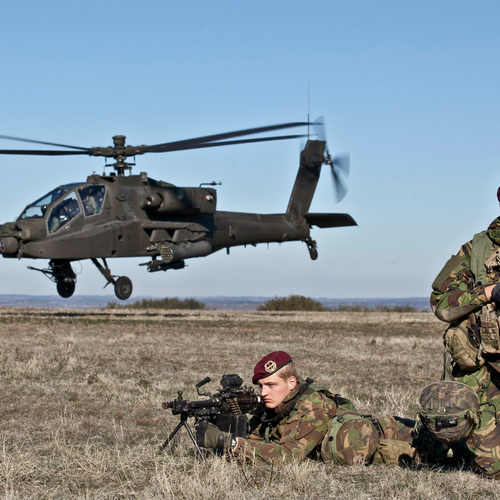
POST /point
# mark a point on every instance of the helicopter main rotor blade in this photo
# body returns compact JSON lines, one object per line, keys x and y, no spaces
{"x":120,"y":151}
{"x":183,"y":147}
{"x":190,"y":143}
{"x":319,"y":128}
{"x":11,"y":138}
{"x":41,"y":152}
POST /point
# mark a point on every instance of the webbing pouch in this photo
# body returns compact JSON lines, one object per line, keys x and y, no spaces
{"x":489,"y":328}
{"x":463,"y":345}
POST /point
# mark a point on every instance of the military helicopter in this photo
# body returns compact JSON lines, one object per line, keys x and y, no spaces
{"x":125,"y":215}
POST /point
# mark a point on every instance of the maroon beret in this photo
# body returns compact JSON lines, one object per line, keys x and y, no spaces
{"x":270,"y":364}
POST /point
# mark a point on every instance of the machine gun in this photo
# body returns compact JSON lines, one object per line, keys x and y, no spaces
{"x":226,"y":409}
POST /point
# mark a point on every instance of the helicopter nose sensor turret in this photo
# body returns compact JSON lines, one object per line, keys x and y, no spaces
{"x":10,"y":235}
{"x":9,"y":246}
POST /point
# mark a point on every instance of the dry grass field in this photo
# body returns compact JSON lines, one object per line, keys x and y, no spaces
{"x":81,"y":401}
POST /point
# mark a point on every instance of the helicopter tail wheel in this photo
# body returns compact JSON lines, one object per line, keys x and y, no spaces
{"x":312,"y":247}
{"x":123,"y":288}
{"x":66,"y":288}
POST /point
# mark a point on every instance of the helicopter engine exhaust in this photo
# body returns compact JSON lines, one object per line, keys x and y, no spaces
{"x":153,"y":201}
{"x":177,"y":200}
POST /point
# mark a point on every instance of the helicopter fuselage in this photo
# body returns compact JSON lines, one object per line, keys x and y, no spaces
{"x":112,"y":216}
{"x":135,"y":220}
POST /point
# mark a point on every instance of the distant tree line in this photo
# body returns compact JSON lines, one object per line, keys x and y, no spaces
{"x":290,"y":303}
{"x":301,"y":303}
{"x":166,"y":303}
{"x":379,"y":308}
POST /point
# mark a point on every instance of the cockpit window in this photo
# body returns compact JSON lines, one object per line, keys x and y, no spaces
{"x":92,"y":199}
{"x":38,"y":208}
{"x":63,"y":212}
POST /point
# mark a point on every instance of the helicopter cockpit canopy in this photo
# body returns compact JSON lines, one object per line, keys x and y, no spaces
{"x":63,"y":212}
{"x":91,"y":198}
{"x":67,"y":202}
{"x":38,"y":208}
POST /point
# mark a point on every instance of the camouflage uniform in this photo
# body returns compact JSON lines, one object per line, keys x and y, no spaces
{"x":303,"y":431}
{"x":304,"y":420}
{"x":456,"y":294}
{"x":354,"y":437}
{"x":296,"y":435}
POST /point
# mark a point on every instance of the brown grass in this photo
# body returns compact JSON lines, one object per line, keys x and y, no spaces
{"x":81,"y":392}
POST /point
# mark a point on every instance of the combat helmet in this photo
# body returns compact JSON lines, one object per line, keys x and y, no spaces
{"x":449,"y":410}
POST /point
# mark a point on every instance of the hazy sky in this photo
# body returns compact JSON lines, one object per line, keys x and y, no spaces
{"x":409,"y":88}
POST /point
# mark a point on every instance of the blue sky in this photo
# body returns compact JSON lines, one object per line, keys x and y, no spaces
{"x":409,"y":89}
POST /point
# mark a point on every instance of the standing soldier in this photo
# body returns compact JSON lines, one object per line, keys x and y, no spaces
{"x":466,"y":294}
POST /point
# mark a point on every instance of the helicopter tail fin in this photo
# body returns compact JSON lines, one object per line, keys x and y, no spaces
{"x":311,"y":159}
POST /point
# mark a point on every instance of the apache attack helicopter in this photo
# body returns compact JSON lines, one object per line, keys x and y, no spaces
{"x":119,"y":215}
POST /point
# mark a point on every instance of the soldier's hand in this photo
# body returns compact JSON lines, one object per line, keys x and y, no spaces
{"x":238,"y":445}
{"x":495,"y":293}
{"x":214,"y":438}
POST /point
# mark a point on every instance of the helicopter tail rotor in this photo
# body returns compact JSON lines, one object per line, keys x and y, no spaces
{"x":339,"y":165}
{"x":340,"y":172}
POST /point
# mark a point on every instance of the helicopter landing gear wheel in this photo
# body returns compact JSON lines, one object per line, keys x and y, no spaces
{"x":122,"y":284}
{"x":123,"y":288}
{"x":312,"y":247}
{"x":66,"y":288}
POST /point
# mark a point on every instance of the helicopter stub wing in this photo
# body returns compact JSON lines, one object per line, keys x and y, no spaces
{"x":330,"y":220}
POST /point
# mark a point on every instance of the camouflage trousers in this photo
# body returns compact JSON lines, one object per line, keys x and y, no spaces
{"x":354,"y":437}
{"x":484,"y":441}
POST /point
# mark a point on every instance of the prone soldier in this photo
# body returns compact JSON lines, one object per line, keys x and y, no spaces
{"x":302,"y":419}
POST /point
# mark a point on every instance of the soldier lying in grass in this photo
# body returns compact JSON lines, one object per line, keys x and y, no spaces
{"x":303,"y":420}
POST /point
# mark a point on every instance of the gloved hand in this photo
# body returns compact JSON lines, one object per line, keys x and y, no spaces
{"x":495,"y":293}
{"x":210,"y":436}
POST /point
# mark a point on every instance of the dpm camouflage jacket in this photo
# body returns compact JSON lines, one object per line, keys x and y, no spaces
{"x":456,"y":290}
{"x":296,"y":435}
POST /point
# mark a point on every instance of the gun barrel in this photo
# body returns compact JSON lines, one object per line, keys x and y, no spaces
{"x":234,"y":400}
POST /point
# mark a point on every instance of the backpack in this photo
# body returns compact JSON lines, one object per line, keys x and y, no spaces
{"x":351,"y":437}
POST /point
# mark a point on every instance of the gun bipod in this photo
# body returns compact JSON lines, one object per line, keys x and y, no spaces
{"x":183,"y":423}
